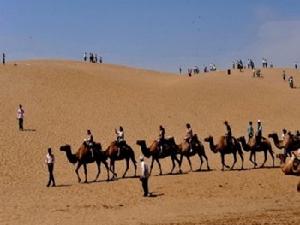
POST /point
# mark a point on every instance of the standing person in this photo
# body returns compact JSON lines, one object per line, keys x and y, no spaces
{"x":296,"y":66}
{"x":20,"y":117}
{"x":180,"y":70}
{"x":96,"y":58}
{"x":189,"y":135}
{"x":291,"y":81}
{"x":259,"y":132}
{"x":250,"y":130}
{"x":85,"y":56}
{"x":100,"y":59}
{"x":144,"y":176}
{"x":120,"y":139}
{"x":50,"y":163}
{"x":283,"y":75}
{"x":3,"y":58}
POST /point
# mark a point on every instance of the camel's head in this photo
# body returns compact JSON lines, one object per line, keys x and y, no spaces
{"x":140,"y":142}
{"x":65,"y":148}
{"x":208,"y":139}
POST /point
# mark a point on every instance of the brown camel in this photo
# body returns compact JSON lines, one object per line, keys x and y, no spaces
{"x":125,"y":152}
{"x":197,"y":148}
{"x":251,"y":146}
{"x":154,"y":151}
{"x":84,"y":156}
{"x":223,"y":148}
{"x":289,"y":144}
{"x":292,"y":166}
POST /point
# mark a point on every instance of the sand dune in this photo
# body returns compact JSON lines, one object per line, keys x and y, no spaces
{"x":64,"y":98}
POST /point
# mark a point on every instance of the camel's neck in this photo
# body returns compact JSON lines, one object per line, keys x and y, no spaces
{"x":276,"y":141}
{"x":212,"y":146}
{"x":71,"y":157}
{"x":244,"y":144}
{"x":145,"y":150}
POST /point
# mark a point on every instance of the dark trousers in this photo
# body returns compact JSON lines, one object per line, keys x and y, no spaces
{"x":144,"y":181}
{"x":51,"y":177}
{"x":21,"y":124}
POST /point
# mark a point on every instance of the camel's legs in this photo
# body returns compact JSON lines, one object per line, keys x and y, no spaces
{"x":180,"y":162}
{"x":265,"y":160}
{"x":85,"y":172}
{"x":127,"y":167}
{"x":250,"y":158}
{"x":201,"y":160}
{"x":134,"y":163}
{"x":173,"y":164}
{"x":99,"y":171}
{"x":188,"y":158}
{"x":208,"y":168}
{"x":242,"y":157}
{"x":160,"y":171}
{"x":112,"y":165}
{"x":271,"y":153}
{"x":151,"y":167}
{"x":234,"y":160}
{"x":107,"y":169}
{"x":223,"y":161}
{"x":76,"y":171}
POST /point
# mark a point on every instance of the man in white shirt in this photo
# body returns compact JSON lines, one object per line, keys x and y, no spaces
{"x":50,"y":163}
{"x":20,"y":117}
{"x":144,"y":176}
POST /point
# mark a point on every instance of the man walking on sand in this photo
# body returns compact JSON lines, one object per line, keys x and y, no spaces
{"x":20,"y":117}
{"x":50,"y":163}
{"x":144,"y":176}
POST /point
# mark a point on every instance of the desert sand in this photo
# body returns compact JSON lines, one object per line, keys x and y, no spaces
{"x":62,"y":99}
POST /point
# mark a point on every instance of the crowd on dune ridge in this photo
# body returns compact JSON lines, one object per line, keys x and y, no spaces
{"x":92,"y":152}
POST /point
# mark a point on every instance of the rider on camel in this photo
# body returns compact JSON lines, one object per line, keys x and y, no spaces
{"x":258,"y":133}
{"x":228,"y":134}
{"x":161,"y":138}
{"x":89,"y":141}
{"x":189,"y":135}
{"x":120,"y":139}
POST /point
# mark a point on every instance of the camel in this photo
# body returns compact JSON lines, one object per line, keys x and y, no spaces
{"x":223,"y":148}
{"x":289,"y":144}
{"x":197,"y":148}
{"x":292,"y":166}
{"x":154,"y":151}
{"x":251,"y":146}
{"x":126,"y":152}
{"x":84,"y":156}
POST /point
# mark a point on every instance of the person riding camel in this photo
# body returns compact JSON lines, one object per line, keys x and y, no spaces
{"x":161,"y":138}
{"x":258,"y":133}
{"x":284,"y":133}
{"x":228,"y":134}
{"x":120,"y":139}
{"x":89,"y":141}
{"x":250,"y":130}
{"x":189,"y":135}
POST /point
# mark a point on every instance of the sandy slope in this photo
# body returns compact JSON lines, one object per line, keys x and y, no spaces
{"x":62,"y":99}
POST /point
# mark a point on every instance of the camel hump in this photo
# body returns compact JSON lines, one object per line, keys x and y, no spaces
{"x":153,"y":145}
{"x":82,"y":151}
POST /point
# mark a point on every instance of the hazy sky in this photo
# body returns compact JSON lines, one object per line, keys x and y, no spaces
{"x":154,"y":34}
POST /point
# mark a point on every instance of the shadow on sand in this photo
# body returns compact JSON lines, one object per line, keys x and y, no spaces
{"x":29,"y":130}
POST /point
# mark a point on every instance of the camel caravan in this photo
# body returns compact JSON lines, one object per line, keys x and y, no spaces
{"x":190,"y":146}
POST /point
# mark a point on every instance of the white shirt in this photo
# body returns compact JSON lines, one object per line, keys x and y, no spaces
{"x":144,"y":170}
{"x":120,"y":135}
{"x":49,"y":159}
{"x":20,"y":113}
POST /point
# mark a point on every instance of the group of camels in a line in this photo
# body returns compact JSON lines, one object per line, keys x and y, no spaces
{"x":170,"y":149}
